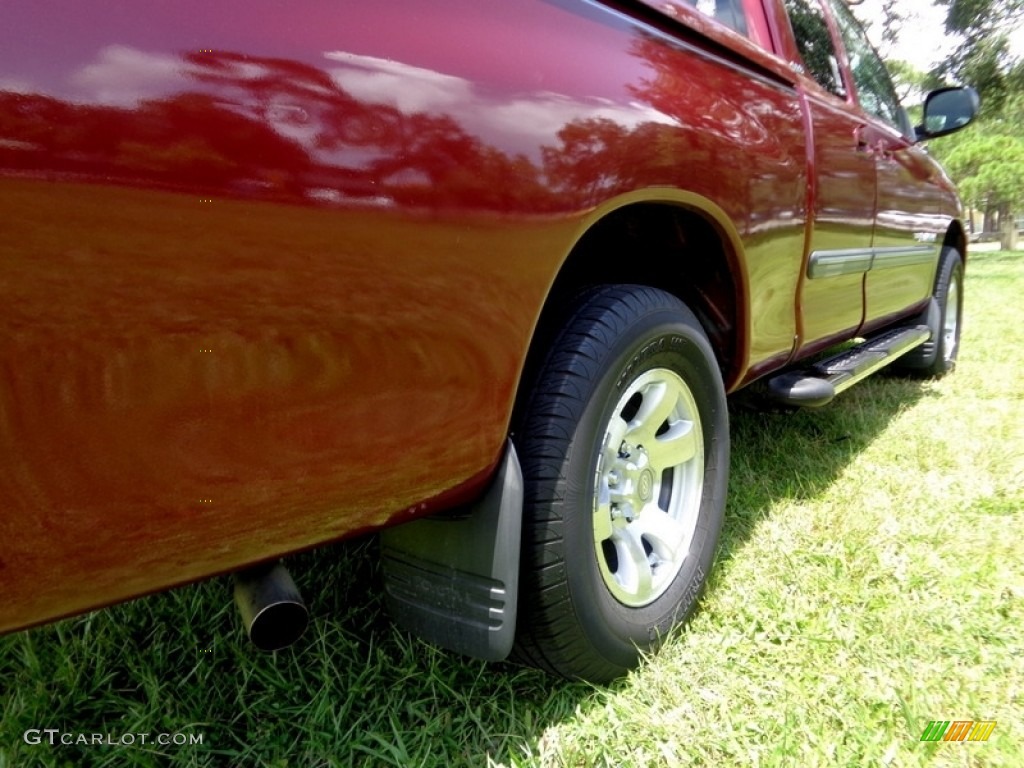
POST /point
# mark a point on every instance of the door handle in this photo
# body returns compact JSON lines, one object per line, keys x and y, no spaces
{"x":862,"y":143}
{"x":878,"y":149}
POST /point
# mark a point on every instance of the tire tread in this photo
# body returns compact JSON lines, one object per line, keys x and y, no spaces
{"x":547,"y":636}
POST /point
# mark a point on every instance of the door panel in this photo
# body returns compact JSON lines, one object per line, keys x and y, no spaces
{"x":841,"y":190}
{"x":840,"y":247}
{"x":908,"y":228}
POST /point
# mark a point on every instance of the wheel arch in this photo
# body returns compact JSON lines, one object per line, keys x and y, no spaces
{"x":956,"y":238}
{"x":676,"y":241}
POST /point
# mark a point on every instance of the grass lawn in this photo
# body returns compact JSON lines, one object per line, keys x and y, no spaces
{"x":871,"y":579}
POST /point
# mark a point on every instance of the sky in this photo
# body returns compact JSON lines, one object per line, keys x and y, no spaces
{"x":923,"y":41}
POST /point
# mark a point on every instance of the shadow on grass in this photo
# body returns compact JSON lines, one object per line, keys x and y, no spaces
{"x":797,"y":456}
{"x":354,"y":690}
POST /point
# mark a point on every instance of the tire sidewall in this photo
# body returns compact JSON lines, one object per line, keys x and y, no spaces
{"x":662,"y":339}
{"x":951,"y":274}
{"x":929,"y":360}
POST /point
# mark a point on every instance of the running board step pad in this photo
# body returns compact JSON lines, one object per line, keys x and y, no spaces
{"x":818,"y":383}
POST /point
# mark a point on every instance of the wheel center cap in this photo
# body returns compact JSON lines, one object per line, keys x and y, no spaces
{"x":645,"y":485}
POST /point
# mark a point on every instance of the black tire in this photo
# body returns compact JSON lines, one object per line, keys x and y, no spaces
{"x":589,"y":610}
{"x":944,"y":316}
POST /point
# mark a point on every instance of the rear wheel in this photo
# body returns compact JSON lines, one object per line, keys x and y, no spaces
{"x":624,"y":447}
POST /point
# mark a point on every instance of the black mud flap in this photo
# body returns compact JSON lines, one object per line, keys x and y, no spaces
{"x":453,"y":579}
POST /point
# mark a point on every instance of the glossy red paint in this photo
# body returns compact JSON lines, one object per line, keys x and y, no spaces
{"x":269,"y":271}
{"x":844,"y":214}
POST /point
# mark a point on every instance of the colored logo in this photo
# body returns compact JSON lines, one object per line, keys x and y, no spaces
{"x":958,"y":730}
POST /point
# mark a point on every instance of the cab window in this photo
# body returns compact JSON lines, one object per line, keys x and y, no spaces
{"x":727,"y":12}
{"x":875,"y":90}
{"x":815,"y":44}
{"x":747,"y":17}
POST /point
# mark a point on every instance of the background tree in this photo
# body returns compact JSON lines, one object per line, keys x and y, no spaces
{"x":984,"y":58}
{"x":987,"y":162}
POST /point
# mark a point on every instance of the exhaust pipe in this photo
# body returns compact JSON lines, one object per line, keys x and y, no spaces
{"x":272,"y":610}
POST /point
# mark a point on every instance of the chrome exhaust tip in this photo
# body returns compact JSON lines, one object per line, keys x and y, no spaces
{"x":272,"y":610}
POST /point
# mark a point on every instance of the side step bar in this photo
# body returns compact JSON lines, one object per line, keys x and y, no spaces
{"x":818,"y":383}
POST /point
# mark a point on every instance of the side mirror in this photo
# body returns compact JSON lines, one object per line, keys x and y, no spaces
{"x":947,"y":110}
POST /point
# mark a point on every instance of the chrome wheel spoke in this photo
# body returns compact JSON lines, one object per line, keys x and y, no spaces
{"x":666,"y":535}
{"x":676,"y":446}
{"x":613,"y":438}
{"x":602,"y":522}
{"x":659,"y":400}
{"x":634,"y":571}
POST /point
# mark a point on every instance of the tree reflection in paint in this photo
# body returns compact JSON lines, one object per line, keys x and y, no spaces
{"x":268,"y":128}
{"x":278,"y":129}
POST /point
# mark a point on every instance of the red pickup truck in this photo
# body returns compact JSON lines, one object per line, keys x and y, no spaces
{"x":478,"y":274}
